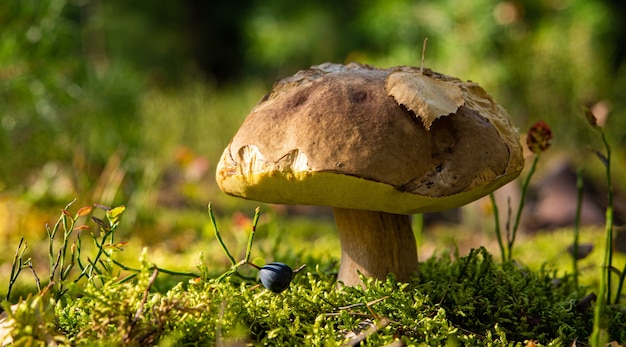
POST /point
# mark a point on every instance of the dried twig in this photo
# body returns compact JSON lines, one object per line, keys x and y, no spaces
{"x":363,"y":335}
{"x":139,"y":311}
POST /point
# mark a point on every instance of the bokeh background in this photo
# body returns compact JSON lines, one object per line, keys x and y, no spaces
{"x":131,"y":102}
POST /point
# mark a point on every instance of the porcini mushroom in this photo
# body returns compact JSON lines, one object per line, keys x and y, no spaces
{"x":376,"y":145}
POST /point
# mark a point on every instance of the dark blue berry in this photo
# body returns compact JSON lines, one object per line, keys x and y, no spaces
{"x":276,"y":276}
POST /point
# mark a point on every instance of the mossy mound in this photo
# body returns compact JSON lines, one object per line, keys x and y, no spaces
{"x":472,"y":300}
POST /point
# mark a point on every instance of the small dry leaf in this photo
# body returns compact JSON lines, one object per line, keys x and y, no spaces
{"x":117,"y":246}
{"x":100,"y":222}
{"x":102,"y":207}
{"x":427,"y":97}
{"x":368,"y":328}
{"x":83,"y":211}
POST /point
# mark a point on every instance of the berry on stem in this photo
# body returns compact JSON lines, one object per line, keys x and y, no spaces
{"x":276,"y":276}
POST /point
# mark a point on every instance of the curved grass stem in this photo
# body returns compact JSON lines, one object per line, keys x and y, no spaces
{"x":600,"y":334}
{"x":579,"y":199}
{"x":496,"y":217}
{"x":234,"y":264}
{"x":507,"y":252}
{"x":255,"y":221}
{"x":219,"y":236}
{"x":522,"y":199}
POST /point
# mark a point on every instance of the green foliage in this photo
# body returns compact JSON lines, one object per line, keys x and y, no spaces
{"x":66,"y":263}
{"x":120,"y":312}
{"x":57,"y":84}
{"x":472,"y":300}
{"x":479,"y":293}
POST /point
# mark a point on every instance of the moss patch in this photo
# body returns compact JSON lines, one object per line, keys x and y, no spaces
{"x":469,"y":301}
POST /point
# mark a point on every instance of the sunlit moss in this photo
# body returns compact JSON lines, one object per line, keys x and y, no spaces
{"x":469,"y":301}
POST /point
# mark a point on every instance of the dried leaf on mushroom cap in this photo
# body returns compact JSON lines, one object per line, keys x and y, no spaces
{"x":427,"y":97}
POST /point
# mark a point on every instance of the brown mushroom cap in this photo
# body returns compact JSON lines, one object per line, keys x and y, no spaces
{"x":401,"y":140}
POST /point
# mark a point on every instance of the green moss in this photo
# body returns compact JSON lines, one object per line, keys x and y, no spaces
{"x":479,"y":293}
{"x":469,"y":301}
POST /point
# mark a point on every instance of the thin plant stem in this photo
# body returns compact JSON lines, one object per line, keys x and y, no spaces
{"x":255,"y":221}
{"x":620,"y":286}
{"x":68,"y":229}
{"x":162,"y":270}
{"x":600,"y":334}
{"x":32,"y":270}
{"x":518,"y":215}
{"x":219,"y":237}
{"x":51,"y":236}
{"x":496,"y":219}
{"x":16,"y":266}
{"x":79,"y":244}
{"x":233,"y":271}
{"x":89,"y":269}
{"x":579,"y":202}
{"x":58,"y":263}
{"x":609,"y":217}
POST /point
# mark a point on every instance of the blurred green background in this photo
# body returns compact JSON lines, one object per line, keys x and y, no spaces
{"x":131,"y":102}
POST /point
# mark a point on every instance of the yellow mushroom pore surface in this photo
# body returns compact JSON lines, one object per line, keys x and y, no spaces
{"x":338,"y":190}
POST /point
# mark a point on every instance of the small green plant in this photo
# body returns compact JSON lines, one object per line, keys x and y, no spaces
{"x":538,"y":141}
{"x":600,"y":335}
{"x":61,"y":263}
{"x":32,"y":317}
{"x":274,"y":276}
{"x":235,"y":265}
{"x":68,"y":263}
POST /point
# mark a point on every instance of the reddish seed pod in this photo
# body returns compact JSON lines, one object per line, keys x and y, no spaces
{"x":539,"y":137}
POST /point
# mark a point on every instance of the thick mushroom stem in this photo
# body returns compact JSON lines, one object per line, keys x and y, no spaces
{"x":375,"y":244}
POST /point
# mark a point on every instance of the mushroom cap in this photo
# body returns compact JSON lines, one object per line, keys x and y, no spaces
{"x":401,"y":140}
